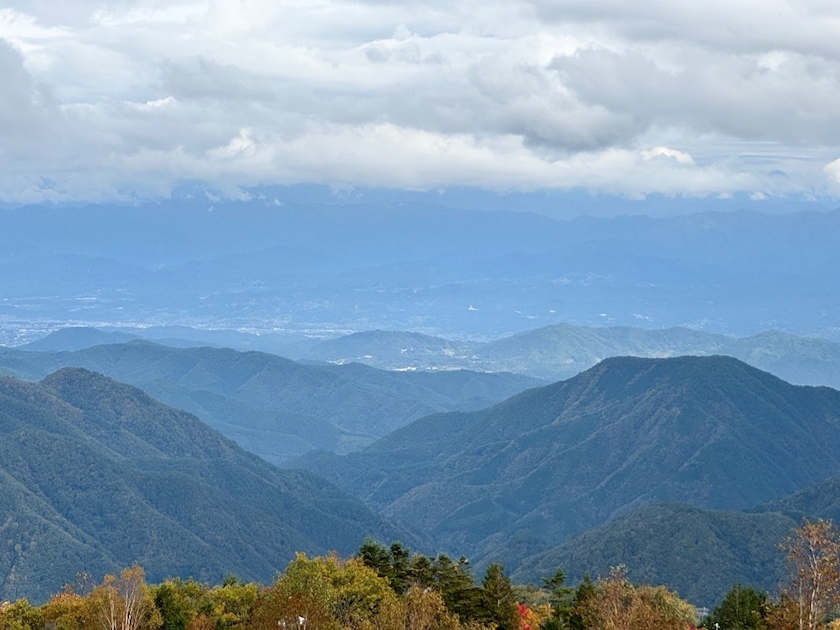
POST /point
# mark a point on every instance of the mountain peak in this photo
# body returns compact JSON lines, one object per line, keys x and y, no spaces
{"x":709,"y":431}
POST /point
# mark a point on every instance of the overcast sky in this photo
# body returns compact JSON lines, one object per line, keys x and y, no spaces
{"x":121,"y":99}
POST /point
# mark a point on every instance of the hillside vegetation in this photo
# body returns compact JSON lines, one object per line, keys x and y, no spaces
{"x":275,"y":407}
{"x":514,"y":480}
{"x":96,"y":475}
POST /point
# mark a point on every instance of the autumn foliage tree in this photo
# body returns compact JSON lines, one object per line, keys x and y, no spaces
{"x":20,"y":616}
{"x":190,"y":605}
{"x":323,"y":593}
{"x":124,"y":603}
{"x":813,"y":558}
{"x":419,"y":609}
{"x":616,"y":604}
{"x":67,"y":611}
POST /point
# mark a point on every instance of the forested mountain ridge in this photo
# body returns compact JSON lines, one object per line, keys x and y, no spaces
{"x":517,"y":478}
{"x":273,"y":406}
{"x":95,"y":475}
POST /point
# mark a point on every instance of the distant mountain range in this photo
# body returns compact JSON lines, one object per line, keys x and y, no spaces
{"x":560,"y":351}
{"x":302,"y":270}
{"x":515,"y":480}
{"x":272,"y":406}
{"x":95,"y":475}
{"x":551,"y":353}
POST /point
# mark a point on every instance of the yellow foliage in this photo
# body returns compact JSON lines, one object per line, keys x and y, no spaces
{"x":68,"y":611}
{"x":324,"y":593}
{"x":419,"y":609}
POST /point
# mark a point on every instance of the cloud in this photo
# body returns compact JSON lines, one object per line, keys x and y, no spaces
{"x":664,"y":152}
{"x":125,"y":99}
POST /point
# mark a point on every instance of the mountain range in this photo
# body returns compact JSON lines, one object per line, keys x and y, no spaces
{"x":514,"y":480}
{"x":300,"y":270}
{"x":571,"y":474}
{"x":560,"y":351}
{"x":95,"y":475}
{"x":272,"y":406}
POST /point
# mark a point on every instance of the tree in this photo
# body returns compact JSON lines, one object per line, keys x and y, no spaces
{"x":174,"y":607}
{"x":394,"y":563}
{"x":742,"y":608}
{"x":498,"y":601}
{"x":582,"y":604}
{"x":228,"y":604}
{"x":124,"y":603}
{"x":561,"y":598}
{"x":455,"y":583}
{"x":813,"y":558}
{"x":323,"y":593}
{"x":657,"y":608}
{"x":614,"y":600}
{"x":20,"y":616}
{"x":419,"y":609}
{"x":617,"y":604}
{"x":67,"y":610}
{"x":400,"y":567}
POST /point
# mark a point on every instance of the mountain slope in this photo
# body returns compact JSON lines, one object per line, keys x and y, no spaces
{"x":273,"y":406}
{"x":96,"y":475}
{"x":699,"y":553}
{"x":822,"y":500}
{"x":552,"y":461}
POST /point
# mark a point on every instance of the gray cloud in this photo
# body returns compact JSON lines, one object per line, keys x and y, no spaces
{"x":737,"y":96}
{"x":21,"y":101}
{"x":631,"y":98}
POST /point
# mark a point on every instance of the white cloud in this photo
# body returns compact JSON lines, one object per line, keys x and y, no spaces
{"x":680,"y":157}
{"x":128,"y":98}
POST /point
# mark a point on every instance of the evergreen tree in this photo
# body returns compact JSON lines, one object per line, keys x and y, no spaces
{"x":742,"y":608}
{"x":375,"y":556}
{"x":584,"y":595}
{"x":455,"y":583}
{"x":498,"y":601}
{"x":400,"y":557}
{"x":561,"y":599}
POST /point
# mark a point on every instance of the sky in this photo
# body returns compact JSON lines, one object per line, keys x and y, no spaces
{"x":123,"y":100}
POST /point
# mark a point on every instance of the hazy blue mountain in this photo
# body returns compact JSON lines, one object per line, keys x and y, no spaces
{"x":531,"y":471}
{"x":800,"y":360}
{"x":275,"y":407}
{"x":560,"y":351}
{"x":95,"y":475}
{"x":308,"y":270}
{"x":699,"y":553}
{"x":77,"y":338}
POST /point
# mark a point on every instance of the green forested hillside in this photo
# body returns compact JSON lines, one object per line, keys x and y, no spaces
{"x":699,"y":553}
{"x":519,"y":477}
{"x":822,"y":500}
{"x":275,"y":407}
{"x":95,"y":475}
